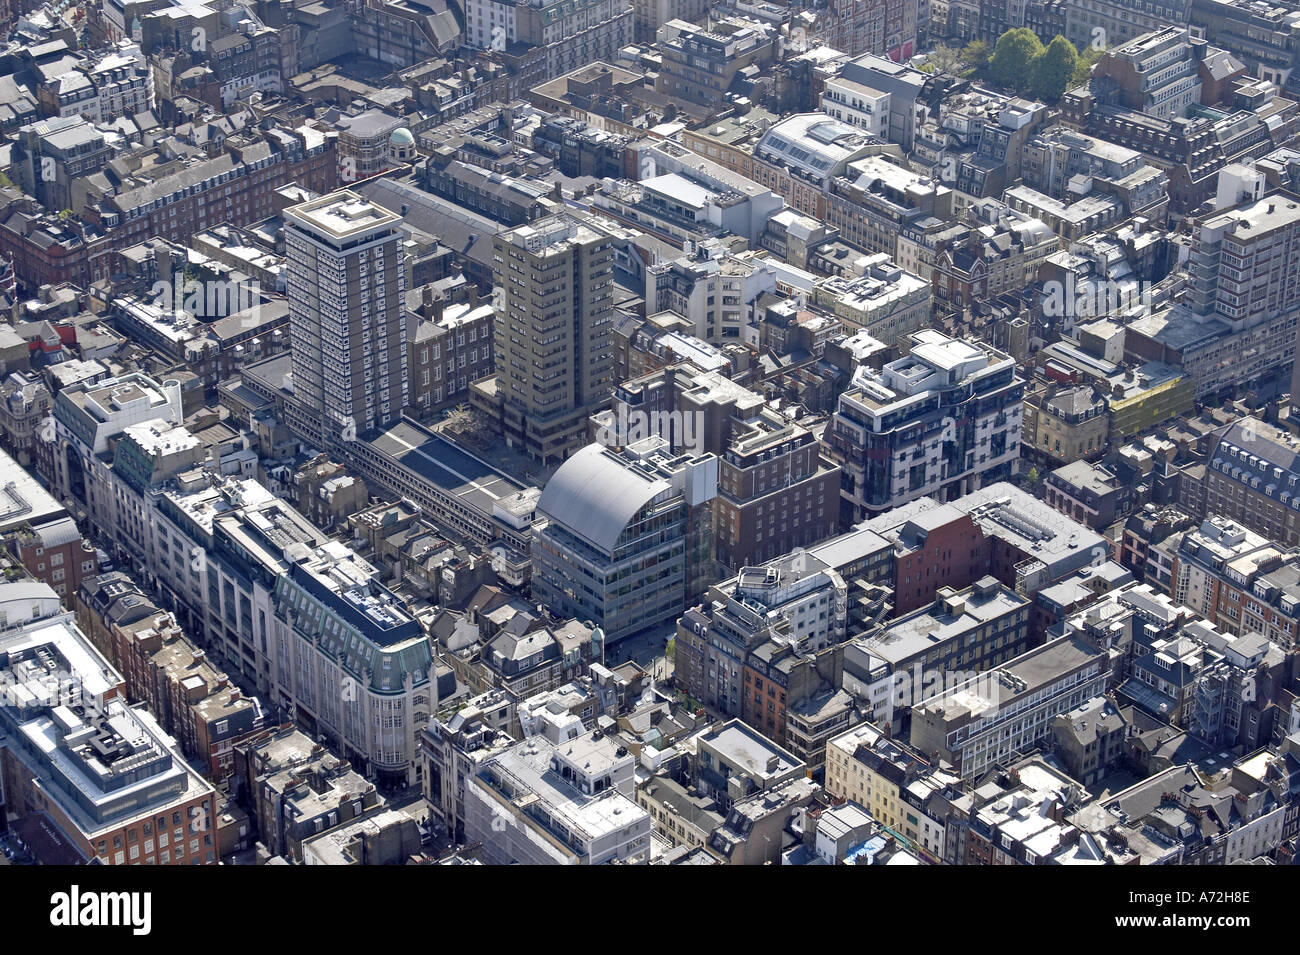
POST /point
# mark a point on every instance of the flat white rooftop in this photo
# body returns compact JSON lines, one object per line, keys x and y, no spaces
{"x":342,"y":215}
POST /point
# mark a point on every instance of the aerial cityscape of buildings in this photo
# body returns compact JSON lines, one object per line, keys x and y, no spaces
{"x":650,"y":432}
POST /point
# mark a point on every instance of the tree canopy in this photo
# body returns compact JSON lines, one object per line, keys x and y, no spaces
{"x":976,"y":55}
{"x":1020,"y":62}
{"x":945,"y":59}
{"x":1014,"y":57}
{"x":1083,"y":65}
{"x":1054,"y":69}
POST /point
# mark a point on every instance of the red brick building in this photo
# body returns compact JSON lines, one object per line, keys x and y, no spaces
{"x":942,"y":547}
{"x":237,"y":187}
{"x":194,"y":701}
{"x":130,"y":798}
{"x":55,"y":553}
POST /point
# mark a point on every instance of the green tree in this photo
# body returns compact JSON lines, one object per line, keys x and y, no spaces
{"x":1084,"y":64}
{"x":946,"y":60}
{"x":975,"y":55}
{"x":1054,"y":69}
{"x":1012,"y":64}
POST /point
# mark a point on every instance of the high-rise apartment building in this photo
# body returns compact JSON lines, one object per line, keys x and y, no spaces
{"x":1239,"y":260}
{"x":1236,"y":327}
{"x":1241,"y":275}
{"x":942,"y":420}
{"x":347,"y":321}
{"x":554,"y":347}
